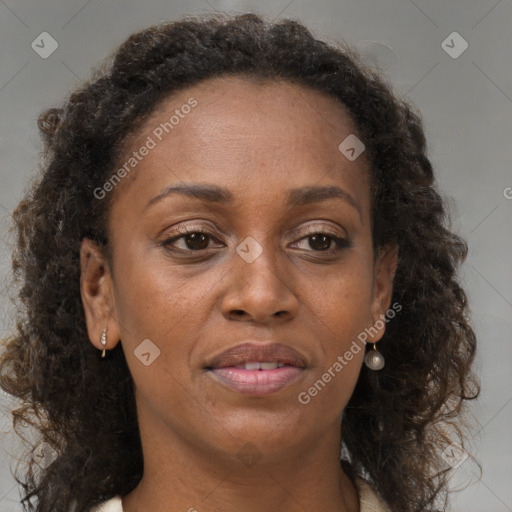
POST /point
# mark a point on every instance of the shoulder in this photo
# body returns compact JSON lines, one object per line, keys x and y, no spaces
{"x":113,"y":505}
{"x":370,"y":501}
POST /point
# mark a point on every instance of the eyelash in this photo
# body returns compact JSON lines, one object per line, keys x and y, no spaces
{"x":341,"y":243}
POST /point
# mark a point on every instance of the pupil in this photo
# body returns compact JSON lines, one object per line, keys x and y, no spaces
{"x":323,"y":246}
{"x":197,"y":241}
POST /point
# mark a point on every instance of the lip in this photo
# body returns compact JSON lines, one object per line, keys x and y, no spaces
{"x":257,"y":382}
{"x":263,"y":352}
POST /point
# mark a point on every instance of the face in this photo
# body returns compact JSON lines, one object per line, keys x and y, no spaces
{"x":272,"y":255}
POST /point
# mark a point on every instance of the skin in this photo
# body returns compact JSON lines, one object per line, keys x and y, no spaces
{"x":258,"y":140}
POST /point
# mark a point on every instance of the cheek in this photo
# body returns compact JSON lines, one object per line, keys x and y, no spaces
{"x":155,"y":302}
{"x":332,"y":382}
{"x":156,"y":299}
{"x":341,"y":309}
{"x":342,"y":302}
{"x":330,"y":389}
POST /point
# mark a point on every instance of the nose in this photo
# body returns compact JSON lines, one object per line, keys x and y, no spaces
{"x":260,"y":291}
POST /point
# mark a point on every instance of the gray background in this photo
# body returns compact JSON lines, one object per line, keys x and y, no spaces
{"x":467,"y":109}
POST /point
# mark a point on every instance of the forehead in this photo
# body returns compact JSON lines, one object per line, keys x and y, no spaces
{"x":245,"y":132}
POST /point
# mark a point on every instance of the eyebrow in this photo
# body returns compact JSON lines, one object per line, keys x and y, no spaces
{"x":296,"y":197}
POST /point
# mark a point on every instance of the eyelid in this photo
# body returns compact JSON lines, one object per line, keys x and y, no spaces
{"x":319,"y":228}
{"x":184,"y":229}
{"x":181,"y":231}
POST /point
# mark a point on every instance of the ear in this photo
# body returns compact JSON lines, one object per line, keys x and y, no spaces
{"x":96,"y":288}
{"x":385,"y":269}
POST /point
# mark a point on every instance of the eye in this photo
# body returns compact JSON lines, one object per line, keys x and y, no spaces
{"x":192,"y":239}
{"x":323,"y":242}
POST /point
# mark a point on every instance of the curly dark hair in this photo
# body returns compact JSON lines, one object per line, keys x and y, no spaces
{"x":394,"y":426}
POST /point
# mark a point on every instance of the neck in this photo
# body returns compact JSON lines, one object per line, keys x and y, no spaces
{"x":181,"y":476}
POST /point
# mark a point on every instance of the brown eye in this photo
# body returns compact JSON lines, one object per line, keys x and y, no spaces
{"x":196,"y":241}
{"x":320,"y":242}
{"x":191,"y":241}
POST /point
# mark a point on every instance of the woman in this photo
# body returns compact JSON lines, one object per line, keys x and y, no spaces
{"x":233,"y":268}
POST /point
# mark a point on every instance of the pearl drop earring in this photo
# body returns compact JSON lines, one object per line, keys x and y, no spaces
{"x":374,"y":359}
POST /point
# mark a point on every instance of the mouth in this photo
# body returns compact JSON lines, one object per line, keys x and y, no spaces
{"x":256,"y":369}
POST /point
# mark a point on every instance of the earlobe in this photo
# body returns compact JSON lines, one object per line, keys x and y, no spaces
{"x":97,"y":295}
